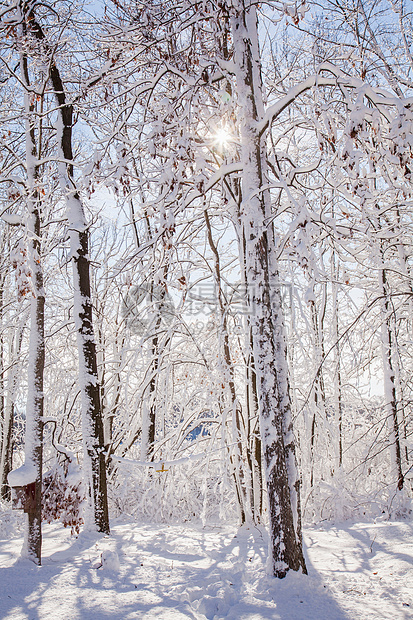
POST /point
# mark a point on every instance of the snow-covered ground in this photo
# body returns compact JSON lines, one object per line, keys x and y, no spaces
{"x":357,"y":571}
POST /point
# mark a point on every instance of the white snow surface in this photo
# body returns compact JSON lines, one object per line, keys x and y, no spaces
{"x":356,"y":571}
{"x":26,"y":474}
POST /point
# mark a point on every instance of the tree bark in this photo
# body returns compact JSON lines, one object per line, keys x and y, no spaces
{"x":390,"y":382}
{"x":35,"y":399}
{"x":265,"y":310}
{"x":92,"y":423}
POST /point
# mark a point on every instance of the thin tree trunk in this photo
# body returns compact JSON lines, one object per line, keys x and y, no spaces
{"x":6,"y":463}
{"x":149,"y":408}
{"x":31,"y":472}
{"x":35,"y":397}
{"x":254,"y":438}
{"x":240,"y":460}
{"x":34,"y":414}
{"x":390,"y":381}
{"x":405,"y":269}
{"x":319,"y":391}
{"x":337,"y":349}
{"x":149,"y":405}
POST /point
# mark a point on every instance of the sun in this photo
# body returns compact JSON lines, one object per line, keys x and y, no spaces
{"x":222,"y":138}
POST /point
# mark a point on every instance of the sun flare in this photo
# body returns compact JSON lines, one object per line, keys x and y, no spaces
{"x":222,"y":137}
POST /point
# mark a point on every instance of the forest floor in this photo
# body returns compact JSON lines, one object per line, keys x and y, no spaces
{"x":357,"y":571}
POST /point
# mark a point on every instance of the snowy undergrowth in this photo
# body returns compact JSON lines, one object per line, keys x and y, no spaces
{"x":11,"y":521}
{"x":356,"y":570}
{"x":196,"y":491}
{"x":345,"y":498}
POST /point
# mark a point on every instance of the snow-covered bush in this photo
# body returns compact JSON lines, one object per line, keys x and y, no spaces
{"x":197,"y":490}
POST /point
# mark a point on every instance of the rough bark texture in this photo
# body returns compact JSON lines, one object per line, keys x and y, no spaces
{"x":34,"y":425}
{"x":35,"y":398}
{"x":91,"y":402}
{"x":93,"y":437}
{"x":265,"y":306}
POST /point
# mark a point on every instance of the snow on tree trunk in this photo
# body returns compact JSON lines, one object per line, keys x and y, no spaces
{"x":255,"y":439}
{"x":6,"y":452}
{"x":266,"y":316}
{"x":34,"y":413}
{"x":338,"y":391}
{"x":92,"y":423}
{"x":6,"y":449}
{"x":285,"y":404}
{"x":31,"y":471}
{"x":150,"y":395}
{"x":149,"y":407}
{"x":390,"y":393}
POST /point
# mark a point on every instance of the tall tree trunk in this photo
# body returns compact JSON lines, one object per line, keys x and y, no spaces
{"x":317,"y":320}
{"x":92,"y":424}
{"x":6,"y":462}
{"x":149,"y":404}
{"x":405,"y":269}
{"x":335,"y":273}
{"x":31,"y":472}
{"x":35,"y":397}
{"x":34,"y":409}
{"x":158,"y":346}
{"x":390,"y":392}
{"x":265,"y":310}
{"x":255,"y":446}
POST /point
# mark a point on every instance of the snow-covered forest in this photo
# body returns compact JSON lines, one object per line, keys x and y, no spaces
{"x":206,"y":264}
